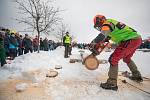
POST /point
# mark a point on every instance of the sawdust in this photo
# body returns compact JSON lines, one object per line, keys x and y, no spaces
{"x":8,"y":91}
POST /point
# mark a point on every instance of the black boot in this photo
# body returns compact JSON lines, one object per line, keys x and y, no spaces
{"x":111,"y":83}
{"x":136,"y":75}
{"x":137,"y":79}
{"x":109,"y":86}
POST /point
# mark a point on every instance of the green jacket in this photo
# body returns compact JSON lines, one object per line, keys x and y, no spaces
{"x":67,"y":39}
{"x":121,"y":32}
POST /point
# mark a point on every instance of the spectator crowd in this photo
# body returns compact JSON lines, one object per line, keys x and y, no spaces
{"x":13,"y":44}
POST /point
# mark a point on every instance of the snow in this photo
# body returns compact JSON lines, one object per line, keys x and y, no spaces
{"x":21,"y":87}
{"x":74,"y":81}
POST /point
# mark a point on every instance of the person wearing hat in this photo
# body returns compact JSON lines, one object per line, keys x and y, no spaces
{"x":127,"y":39}
{"x":35,"y":43}
{"x":67,"y":43}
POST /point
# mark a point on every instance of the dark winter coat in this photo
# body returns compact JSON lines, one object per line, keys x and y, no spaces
{"x":6,"y":43}
{"x":20,"y":42}
{"x":2,"y":52}
{"x":27,"y":43}
{"x":41,"y":45}
{"x":45,"y":45}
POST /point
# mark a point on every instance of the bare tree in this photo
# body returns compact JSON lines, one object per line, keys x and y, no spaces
{"x":39,"y":15}
{"x":61,"y":30}
{"x":60,"y":33}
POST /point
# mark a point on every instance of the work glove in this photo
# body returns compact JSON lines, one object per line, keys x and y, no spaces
{"x":107,"y":39}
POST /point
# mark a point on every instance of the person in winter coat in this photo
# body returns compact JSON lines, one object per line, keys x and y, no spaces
{"x":2,"y":49}
{"x":41,"y":44}
{"x":27,"y":44}
{"x":128,"y":41}
{"x":35,"y":43}
{"x":20,"y":46}
{"x":51,"y":45}
{"x":66,"y":43}
{"x":45,"y":44}
{"x":6,"y":43}
{"x":13,"y":45}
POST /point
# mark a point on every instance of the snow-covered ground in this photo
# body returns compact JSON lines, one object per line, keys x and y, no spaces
{"x":74,"y":81}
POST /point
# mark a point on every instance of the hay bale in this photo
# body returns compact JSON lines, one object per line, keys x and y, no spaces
{"x":91,"y":63}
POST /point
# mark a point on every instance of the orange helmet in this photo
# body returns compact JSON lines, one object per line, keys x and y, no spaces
{"x":98,"y":21}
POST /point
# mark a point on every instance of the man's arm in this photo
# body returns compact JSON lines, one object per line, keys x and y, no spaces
{"x":100,"y":39}
{"x":105,"y":30}
{"x":64,"y":40}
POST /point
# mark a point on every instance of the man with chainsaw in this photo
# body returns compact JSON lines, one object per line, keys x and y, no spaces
{"x":128,"y":41}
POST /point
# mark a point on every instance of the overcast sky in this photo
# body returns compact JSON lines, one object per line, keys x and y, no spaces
{"x":79,"y":15}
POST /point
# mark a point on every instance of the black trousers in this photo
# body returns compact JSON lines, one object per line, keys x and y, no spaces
{"x":70,"y":49}
{"x":20,"y":51}
{"x":13,"y":53}
{"x":28,"y":49}
{"x":66,"y":51}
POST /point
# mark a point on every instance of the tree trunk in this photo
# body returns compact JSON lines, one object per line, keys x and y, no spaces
{"x":37,"y":28}
{"x":39,"y":41}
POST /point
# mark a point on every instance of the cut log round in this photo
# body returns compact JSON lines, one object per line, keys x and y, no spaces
{"x":58,"y":67}
{"x":91,"y":62}
{"x":72,"y":60}
{"x":52,"y":73}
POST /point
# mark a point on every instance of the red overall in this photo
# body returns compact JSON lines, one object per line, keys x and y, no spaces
{"x":125,"y":51}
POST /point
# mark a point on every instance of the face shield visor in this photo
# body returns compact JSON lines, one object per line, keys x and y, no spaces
{"x":98,"y":23}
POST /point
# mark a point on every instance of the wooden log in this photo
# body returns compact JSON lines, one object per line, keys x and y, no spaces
{"x":72,"y":60}
{"x":58,"y":67}
{"x":91,"y":62}
{"x":52,"y":73}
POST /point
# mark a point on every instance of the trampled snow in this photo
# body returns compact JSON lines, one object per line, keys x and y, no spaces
{"x":74,"y":81}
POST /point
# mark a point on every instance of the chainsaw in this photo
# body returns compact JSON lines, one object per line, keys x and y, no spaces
{"x":91,"y":62}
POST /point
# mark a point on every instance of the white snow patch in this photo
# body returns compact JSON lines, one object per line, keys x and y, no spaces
{"x":74,"y":81}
